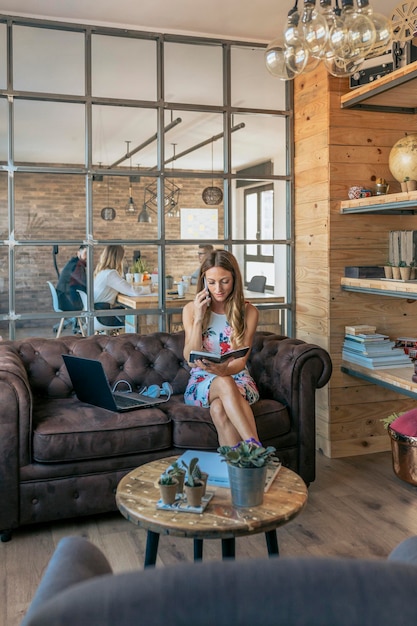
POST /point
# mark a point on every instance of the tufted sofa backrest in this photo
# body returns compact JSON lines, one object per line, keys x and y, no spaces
{"x":139,"y":359}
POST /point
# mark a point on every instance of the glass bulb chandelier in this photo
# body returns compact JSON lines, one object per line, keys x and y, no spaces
{"x":341,"y":37}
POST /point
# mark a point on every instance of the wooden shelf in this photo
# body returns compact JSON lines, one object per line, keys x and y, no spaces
{"x":396,"y":379}
{"x":378,"y":286}
{"x":394,"y":203}
{"x":395,"y":93}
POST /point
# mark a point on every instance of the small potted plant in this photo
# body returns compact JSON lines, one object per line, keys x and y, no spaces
{"x":388,"y":269}
{"x":247,"y":464}
{"x":168,"y":487}
{"x":396,"y":274}
{"x":178,"y":472}
{"x":405,"y":270}
{"x":193,"y":486}
{"x":404,"y":183}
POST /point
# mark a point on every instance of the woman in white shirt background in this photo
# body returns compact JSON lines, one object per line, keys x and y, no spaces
{"x":109,"y":282}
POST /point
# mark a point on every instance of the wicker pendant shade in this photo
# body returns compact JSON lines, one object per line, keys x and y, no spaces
{"x":212,"y":195}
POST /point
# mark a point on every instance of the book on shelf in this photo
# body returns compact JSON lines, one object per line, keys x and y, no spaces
{"x":382,"y":362}
{"x":196,"y":355}
{"x":362,"y":337}
{"x":368,"y":350}
{"x":360,"y":328}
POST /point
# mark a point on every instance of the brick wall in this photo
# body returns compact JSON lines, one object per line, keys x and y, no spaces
{"x":51,"y":207}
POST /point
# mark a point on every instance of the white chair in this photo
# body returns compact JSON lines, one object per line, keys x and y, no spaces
{"x":57,"y":309}
{"x":98,"y":326}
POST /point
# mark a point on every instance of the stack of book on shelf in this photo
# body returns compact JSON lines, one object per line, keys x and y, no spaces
{"x":371,"y":349}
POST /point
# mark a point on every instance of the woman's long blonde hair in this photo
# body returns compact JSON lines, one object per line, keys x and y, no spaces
{"x":111,"y":259}
{"x":235,"y":303}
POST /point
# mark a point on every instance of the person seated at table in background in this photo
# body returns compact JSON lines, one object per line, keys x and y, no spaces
{"x":72,"y":277}
{"x":219,"y":320}
{"x":109,"y":282}
{"x":203,"y":249}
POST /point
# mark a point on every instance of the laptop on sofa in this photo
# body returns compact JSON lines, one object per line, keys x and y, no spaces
{"x":90,"y":383}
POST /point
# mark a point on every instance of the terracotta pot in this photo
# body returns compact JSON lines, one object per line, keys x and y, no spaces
{"x":405,"y":273}
{"x":169,"y":492}
{"x":403,"y":186}
{"x":194,"y":494}
{"x":396,"y":273}
{"x":388,"y":271}
{"x":411,"y":185}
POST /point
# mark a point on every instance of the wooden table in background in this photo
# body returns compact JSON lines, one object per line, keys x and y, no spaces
{"x":269,"y":319}
{"x":138,"y":493}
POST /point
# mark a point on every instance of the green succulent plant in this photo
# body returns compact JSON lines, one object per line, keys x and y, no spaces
{"x":167,"y":479}
{"x":247,"y":454}
{"x":193,"y":477}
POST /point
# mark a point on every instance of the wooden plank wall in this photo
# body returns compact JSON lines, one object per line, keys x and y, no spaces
{"x":335,"y":149}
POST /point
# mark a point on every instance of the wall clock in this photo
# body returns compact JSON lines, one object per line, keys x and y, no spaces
{"x":108,"y":213}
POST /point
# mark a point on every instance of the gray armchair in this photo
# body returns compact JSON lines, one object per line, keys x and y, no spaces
{"x":79,"y":588}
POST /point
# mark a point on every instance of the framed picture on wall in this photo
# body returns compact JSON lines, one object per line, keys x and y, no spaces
{"x":199,"y":223}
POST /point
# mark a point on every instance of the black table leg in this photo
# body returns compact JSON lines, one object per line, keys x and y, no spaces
{"x":198,"y":549}
{"x":152,"y":541}
{"x":228,"y":548}
{"x":272,"y":542}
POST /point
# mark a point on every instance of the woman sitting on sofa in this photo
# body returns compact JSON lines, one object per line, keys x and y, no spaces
{"x":108,"y":282}
{"x":220,"y":320}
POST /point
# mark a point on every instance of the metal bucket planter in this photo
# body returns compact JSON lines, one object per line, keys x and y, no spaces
{"x":404,"y":456}
{"x":247,"y":485}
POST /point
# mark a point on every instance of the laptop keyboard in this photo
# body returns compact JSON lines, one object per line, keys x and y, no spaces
{"x":124,"y":401}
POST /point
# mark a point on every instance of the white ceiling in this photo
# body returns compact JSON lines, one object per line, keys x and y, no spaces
{"x":250,"y":20}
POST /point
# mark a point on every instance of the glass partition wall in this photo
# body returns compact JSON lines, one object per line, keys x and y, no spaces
{"x":158,"y":143}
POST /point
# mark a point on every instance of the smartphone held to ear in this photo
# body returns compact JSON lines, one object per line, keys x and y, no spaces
{"x":207,"y":290}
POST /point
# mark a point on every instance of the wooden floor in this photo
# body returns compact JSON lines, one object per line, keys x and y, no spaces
{"x":357,"y":507}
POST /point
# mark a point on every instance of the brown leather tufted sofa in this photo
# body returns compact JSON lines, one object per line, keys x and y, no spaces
{"x":62,"y":458}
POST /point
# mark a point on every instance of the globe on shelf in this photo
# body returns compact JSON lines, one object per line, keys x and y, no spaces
{"x":403,"y":158}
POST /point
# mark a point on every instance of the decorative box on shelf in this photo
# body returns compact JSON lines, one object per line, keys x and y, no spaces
{"x":364,"y":271}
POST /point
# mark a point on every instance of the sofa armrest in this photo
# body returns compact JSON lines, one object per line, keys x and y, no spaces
{"x":74,"y":561}
{"x":15,"y":425}
{"x":290,"y":371}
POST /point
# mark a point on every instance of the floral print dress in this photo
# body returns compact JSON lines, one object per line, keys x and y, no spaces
{"x":217,"y":338}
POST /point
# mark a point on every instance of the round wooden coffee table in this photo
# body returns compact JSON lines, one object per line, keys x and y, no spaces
{"x":138,"y":493}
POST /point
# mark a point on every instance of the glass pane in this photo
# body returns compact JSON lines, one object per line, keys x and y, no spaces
{"x":267,"y":220}
{"x":49,"y":206}
{"x":48,"y":60}
{"x":196,"y":142}
{"x":252,"y":85}
{"x":193,"y":73}
{"x":4,"y":278}
{"x":118,"y":131}
{"x":263,"y":138}
{"x":251,"y":220}
{"x":49,"y":132}
{"x":3,"y":56}
{"x":123,"y":67}
{"x":3,"y":130}
{"x":274,"y":225}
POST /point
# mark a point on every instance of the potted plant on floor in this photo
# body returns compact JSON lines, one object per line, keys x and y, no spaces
{"x":168,"y":487}
{"x":247,"y":464}
{"x":193,"y":486}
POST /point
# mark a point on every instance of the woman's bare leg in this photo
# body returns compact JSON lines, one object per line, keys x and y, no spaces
{"x":235,"y":406}
{"x":227,"y":433}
